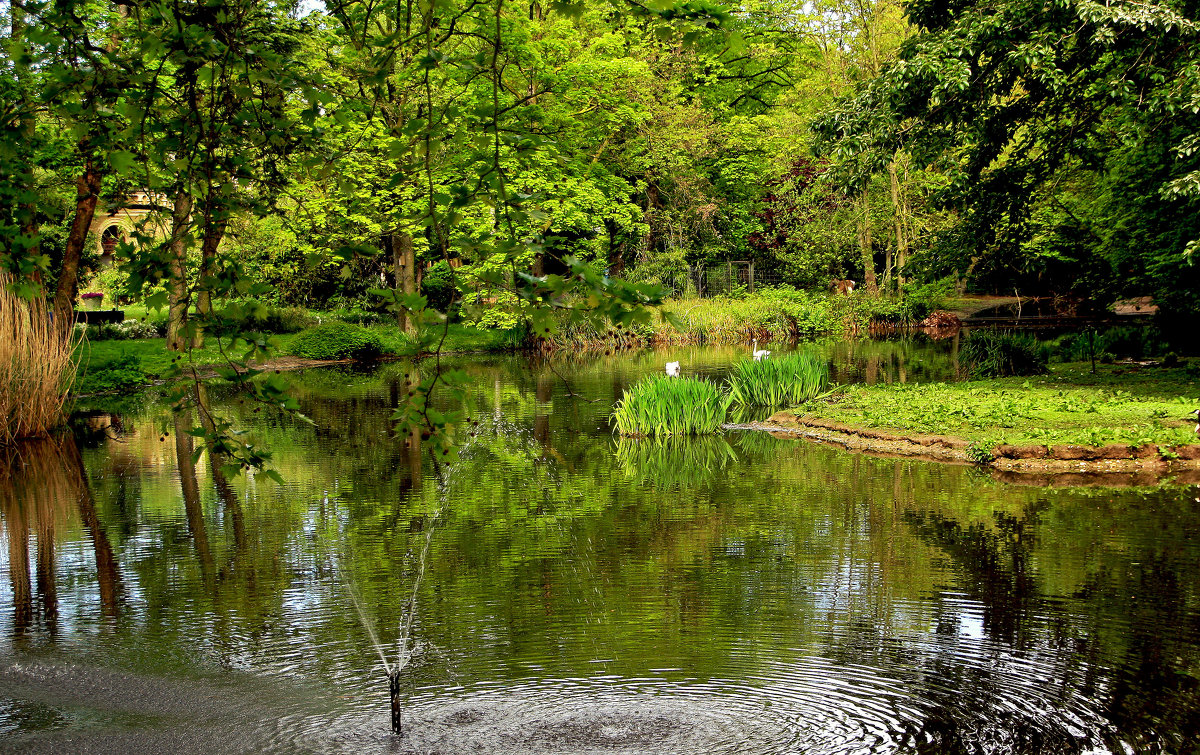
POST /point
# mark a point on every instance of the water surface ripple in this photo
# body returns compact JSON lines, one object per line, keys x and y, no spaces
{"x":576,"y":593}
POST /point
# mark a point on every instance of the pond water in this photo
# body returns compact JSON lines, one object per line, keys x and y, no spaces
{"x":572,"y":593}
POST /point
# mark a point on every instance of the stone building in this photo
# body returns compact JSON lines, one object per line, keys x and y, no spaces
{"x":112,"y":226}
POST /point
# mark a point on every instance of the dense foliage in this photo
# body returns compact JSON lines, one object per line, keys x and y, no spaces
{"x":337,"y":340}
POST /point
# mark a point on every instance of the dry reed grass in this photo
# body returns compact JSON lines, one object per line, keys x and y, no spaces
{"x":36,"y":366}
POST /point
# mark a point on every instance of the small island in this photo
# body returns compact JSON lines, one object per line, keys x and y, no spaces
{"x":1124,"y":416}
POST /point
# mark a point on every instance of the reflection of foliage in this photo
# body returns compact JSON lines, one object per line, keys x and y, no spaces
{"x":753,"y":444}
{"x":671,"y":406}
{"x":670,"y":462}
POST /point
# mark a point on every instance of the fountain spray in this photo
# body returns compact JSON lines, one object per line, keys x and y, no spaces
{"x":406,"y":646}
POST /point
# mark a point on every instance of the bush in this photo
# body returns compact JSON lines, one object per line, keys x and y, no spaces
{"x":787,"y":380}
{"x":992,"y":353}
{"x":337,"y":340}
{"x":664,"y":405}
{"x":121,"y":374}
{"x":35,"y":365}
{"x":438,"y":287}
{"x":283,"y":320}
{"x":359,"y":316}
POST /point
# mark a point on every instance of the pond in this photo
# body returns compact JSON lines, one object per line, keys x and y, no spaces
{"x":567,"y":592}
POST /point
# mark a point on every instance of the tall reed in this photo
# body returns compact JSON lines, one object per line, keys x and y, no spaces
{"x":785,"y":380}
{"x":35,"y":365}
{"x":671,"y":406}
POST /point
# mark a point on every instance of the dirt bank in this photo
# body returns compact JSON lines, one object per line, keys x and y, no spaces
{"x":1147,"y":461}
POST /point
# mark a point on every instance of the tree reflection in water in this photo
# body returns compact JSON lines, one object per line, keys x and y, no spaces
{"x":43,"y":487}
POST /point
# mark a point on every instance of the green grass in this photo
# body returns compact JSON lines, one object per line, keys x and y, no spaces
{"x":664,"y":405}
{"x":1067,"y":406}
{"x":786,"y":380}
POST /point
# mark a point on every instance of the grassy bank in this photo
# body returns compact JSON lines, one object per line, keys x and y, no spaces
{"x":126,"y":365}
{"x":1069,"y":405}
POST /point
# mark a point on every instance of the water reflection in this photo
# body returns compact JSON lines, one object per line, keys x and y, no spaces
{"x":738,"y":594}
{"x":43,"y":488}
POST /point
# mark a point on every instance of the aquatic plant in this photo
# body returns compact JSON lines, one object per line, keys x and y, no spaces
{"x":664,"y":405}
{"x":993,"y":353}
{"x":35,"y":365}
{"x":785,"y":380}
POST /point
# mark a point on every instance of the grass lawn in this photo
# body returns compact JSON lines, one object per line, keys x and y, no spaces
{"x":1068,"y":406}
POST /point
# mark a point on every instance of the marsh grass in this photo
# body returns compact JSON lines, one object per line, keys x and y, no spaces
{"x":785,"y":380}
{"x":35,"y":366}
{"x":664,"y":406}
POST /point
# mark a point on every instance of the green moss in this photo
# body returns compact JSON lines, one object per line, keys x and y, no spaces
{"x":1067,"y":406}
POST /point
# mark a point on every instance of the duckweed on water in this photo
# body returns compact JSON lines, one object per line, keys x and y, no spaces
{"x":671,"y":406}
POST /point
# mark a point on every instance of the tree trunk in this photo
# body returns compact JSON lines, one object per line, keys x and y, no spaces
{"x":87,"y":193}
{"x":214,"y":231}
{"x":652,"y":200}
{"x":865,"y":244}
{"x":177,"y":288}
{"x":404,"y":264}
{"x":900,"y":210}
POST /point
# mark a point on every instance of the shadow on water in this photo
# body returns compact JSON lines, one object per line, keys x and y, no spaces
{"x":582,"y":594}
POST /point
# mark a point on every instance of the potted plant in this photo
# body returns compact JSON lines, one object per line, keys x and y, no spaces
{"x":92,"y":299}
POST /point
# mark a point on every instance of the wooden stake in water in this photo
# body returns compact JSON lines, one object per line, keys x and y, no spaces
{"x":394,"y":692}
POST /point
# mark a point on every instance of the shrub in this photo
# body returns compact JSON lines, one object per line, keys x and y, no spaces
{"x":337,"y":340}
{"x":664,"y":405}
{"x":359,"y":316}
{"x":121,"y":374}
{"x":438,"y":286}
{"x":779,"y":381}
{"x":992,"y":353}
{"x":283,"y":320}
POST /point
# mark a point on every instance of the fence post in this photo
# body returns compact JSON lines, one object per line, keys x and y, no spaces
{"x":751,"y":276}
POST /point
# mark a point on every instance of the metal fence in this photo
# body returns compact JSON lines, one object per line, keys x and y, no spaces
{"x":720,"y":279}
